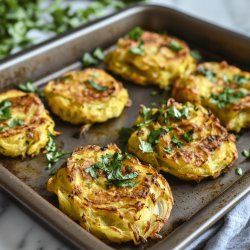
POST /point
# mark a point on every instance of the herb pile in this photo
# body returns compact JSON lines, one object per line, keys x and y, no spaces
{"x":5,"y":114}
{"x":228,"y":96}
{"x":207,"y":73}
{"x":135,"y":34}
{"x":20,"y":17}
{"x":111,"y":165}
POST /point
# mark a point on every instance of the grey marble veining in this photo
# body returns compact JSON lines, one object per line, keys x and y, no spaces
{"x":17,"y":229}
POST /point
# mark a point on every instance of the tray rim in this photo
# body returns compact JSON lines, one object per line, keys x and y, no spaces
{"x":6,"y":177}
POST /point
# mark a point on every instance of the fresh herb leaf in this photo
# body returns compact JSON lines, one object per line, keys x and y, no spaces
{"x":145,"y":147}
{"x":168,"y":150}
{"x":177,"y":142}
{"x":174,"y":45}
{"x":239,"y":171}
{"x":89,"y":60}
{"x":154,"y":135}
{"x":240,"y":79}
{"x":185,"y":112}
{"x":5,"y":113}
{"x":228,"y":96}
{"x":15,"y":122}
{"x":96,"y":86}
{"x":135,"y":34}
{"x":207,"y":73}
{"x":98,"y":54}
{"x":188,"y":136}
{"x":2,"y":128}
{"x":53,"y":155}
{"x":92,"y":171}
{"x":138,"y":50}
{"x":246,"y":153}
{"x":174,"y":112}
{"x":28,"y":87}
{"x":196,"y":54}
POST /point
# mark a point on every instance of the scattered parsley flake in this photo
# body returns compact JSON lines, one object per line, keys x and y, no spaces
{"x":239,"y":171}
{"x":188,"y":136}
{"x":96,"y":86}
{"x":145,"y":147}
{"x":207,"y":73}
{"x":228,"y":96}
{"x":15,"y":123}
{"x":168,"y":150}
{"x":196,"y":54}
{"x":98,"y":54}
{"x":5,"y":113}
{"x":135,"y":34}
{"x":246,"y":153}
{"x":240,"y":79}
{"x":174,"y":45}
{"x":177,"y":142}
{"x":138,"y":50}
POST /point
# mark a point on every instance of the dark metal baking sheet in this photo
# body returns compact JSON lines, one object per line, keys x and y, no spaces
{"x":197,"y":206}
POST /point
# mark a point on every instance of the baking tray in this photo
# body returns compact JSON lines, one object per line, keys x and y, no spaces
{"x":197,"y":206}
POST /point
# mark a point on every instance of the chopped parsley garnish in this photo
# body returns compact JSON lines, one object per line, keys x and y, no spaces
{"x":138,"y":50}
{"x":228,"y":96}
{"x":177,"y":142}
{"x":239,"y":171}
{"x":135,"y":34}
{"x":96,"y":86}
{"x":145,"y":147}
{"x":174,"y":45}
{"x":2,"y":128}
{"x":154,"y":135}
{"x":5,"y":110}
{"x":98,"y":54}
{"x":112,"y":166}
{"x":196,"y":54}
{"x":94,"y":58}
{"x":175,"y":113}
{"x":188,"y":136}
{"x":124,"y":134}
{"x":246,"y":153}
{"x":240,"y":80}
{"x":28,"y":87}
{"x":15,"y":122}
{"x":89,"y":60}
{"x":53,"y":155}
{"x":168,"y":150}
{"x":207,"y":73}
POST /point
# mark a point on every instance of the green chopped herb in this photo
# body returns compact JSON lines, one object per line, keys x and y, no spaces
{"x":135,"y":34}
{"x":174,"y":112}
{"x":138,"y":50}
{"x":239,"y":171}
{"x":196,"y":54}
{"x":240,"y":79}
{"x":15,"y":122}
{"x":2,"y":128}
{"x":174,"y":45}
{"x":207,"y":73}
{"x":53,"y":155}
{"x":98,"y":54}
{"x":177,"y":142}
{"x":89,"y":60}
{"x":188,"y":136}
{"x":228,"y":96}
{"x":196,"y":108}
{"x":96,"y":86}
{"x":112,"y":165}
{"x":145,"y":147}
{"x":246,"y":153}
{"x":5,"y":113}
{"x":168,"y":150}
{"x":154,"y":93}
{"x":154,"y":135}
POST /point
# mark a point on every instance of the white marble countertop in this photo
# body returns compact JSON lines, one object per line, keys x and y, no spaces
{"x":17,"y":229}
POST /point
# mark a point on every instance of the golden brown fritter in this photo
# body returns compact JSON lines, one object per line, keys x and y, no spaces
{"x":220,"y":87}
{"x":25,"y":125}
{"x":151,"y":58}
{"x":184,"y":140}
{"x":86,"y":96}
{"x":112,"y":195}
